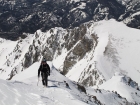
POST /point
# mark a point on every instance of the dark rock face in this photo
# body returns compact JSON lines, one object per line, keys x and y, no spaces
{"x":19,"y":16}
{"x":131,"y":16}
{"x":27,"y":16}
{"x":81,"y":44}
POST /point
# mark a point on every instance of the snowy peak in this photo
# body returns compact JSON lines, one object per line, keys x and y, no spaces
{"x":90,"y":55}
{"x":14,"y":59}
{"x":124,"y":86}
{"x":96,"y":50}
{"x":126,"y":80}
{"x":130,"y":82}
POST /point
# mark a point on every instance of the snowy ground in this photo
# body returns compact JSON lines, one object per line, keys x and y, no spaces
{"x":23,"y":90}
{"x":118,"y":83}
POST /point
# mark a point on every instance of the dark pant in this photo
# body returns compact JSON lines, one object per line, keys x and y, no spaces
{"x":44,"y":79}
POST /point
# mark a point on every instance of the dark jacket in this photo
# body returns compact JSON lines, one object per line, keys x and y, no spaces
{"x":44,"y":68}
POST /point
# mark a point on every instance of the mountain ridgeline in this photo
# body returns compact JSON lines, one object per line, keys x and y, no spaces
{"x":74,"y":40}
{"x":27,"y":16}
{"x":85,"y":40}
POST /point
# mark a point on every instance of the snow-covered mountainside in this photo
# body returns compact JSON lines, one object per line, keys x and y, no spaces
{"x":96,"y":55}
{"x":124,"y":86}
{"x":25,"y":89}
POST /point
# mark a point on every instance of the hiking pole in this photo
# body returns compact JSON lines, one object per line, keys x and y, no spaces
{"x":38,"y":82}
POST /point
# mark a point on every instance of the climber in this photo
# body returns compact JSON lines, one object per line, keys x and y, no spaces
{"x":45,"y":72}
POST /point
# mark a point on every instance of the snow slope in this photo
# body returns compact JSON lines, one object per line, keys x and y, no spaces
{"x":12,"y":55}
{"x":118,"y":46}
{"x":116,"y":51}
{"x":118,"y":84}
{"x":23,"y":90}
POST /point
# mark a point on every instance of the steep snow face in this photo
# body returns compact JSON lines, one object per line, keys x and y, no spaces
{"x":24,"y":90}
{"x":12,"y":55}
{"x":116,"y":51}
{"x":120,"y":51}
{"x":90,"y":54}
{"x":124,"y":87}
{"x":5,"y":49}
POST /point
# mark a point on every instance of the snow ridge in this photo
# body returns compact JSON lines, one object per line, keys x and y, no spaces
{"x":90,"y":55}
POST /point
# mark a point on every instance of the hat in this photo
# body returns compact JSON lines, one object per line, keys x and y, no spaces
{"x":44,"y":60}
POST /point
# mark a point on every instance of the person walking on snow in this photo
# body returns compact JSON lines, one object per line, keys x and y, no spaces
{"x":45,"y":72}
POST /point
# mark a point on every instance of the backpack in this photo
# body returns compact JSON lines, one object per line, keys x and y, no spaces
{"x":45,"y":68}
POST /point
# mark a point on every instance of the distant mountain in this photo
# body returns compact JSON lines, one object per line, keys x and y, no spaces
{"x":131,"y":17}
{"x":26,"y":16}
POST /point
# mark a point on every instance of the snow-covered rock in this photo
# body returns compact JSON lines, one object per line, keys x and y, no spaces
{"x":124,"y":87}
{"x":90,"y":55}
